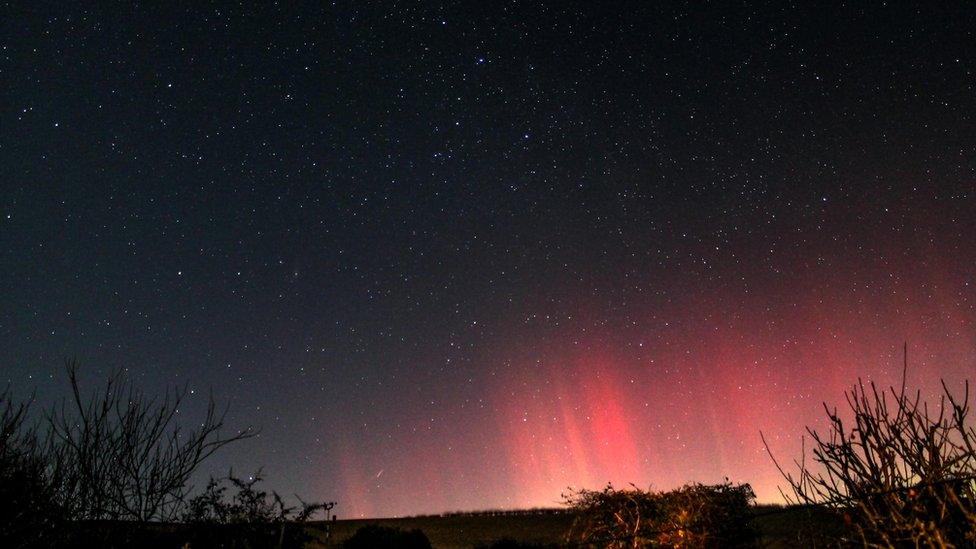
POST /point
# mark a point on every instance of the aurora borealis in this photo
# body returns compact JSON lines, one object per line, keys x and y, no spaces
{"x":465,"y":256}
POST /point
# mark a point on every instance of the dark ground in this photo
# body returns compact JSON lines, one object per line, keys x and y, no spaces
{"x":468,"y":531}
{"x":779,"y":527}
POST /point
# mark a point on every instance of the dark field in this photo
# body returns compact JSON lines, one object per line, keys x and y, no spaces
{"x":779,"y":527}
{"x":468,"y":530}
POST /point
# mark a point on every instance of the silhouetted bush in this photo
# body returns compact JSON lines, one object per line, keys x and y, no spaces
{"x":902,"y":472}
{"x":30,"y":513}
{"x":251,"y":518}
{"x":695,"y":515}
{"x":100,"y":470}
{"x":373,"y":536}
{"x":119,"y":454}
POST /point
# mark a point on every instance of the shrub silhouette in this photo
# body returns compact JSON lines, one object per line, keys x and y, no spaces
{"x":374,"y":536}
{"x":901,"y":472}
{"x":30,"y":514}
{"x":119,"y":453}
{"x":251,"y":518}
{"x":99,"y":468}
{"x":694,"y":515}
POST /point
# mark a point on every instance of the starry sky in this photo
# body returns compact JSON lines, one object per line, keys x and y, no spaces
{"x":465,"y":255}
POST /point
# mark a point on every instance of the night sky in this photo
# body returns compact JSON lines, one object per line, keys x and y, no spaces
{"x":463,"y":256}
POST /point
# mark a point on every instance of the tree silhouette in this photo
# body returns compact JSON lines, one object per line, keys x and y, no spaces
{"x":901,"y":471}
{"x":120,"y":454}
